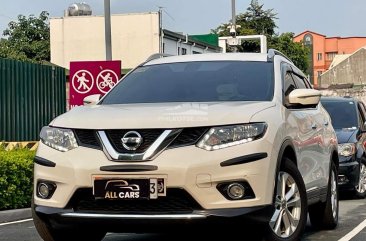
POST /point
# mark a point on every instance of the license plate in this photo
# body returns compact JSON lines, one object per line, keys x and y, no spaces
{"x":128,"y":189}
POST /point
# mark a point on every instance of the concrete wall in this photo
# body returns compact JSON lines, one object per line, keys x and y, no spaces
{"x":359,"y":94}
{"x":351,"y":70}
{"x":134,"y":38}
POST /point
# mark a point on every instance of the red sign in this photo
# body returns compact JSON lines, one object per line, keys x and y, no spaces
{"x":92,"y":77}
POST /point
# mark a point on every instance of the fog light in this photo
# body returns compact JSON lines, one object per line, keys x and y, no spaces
{"x":45,"y":189}
{"x":342,"y":179}
{"x":236,"y":191}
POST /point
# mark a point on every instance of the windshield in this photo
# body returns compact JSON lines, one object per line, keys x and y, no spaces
{"x":342,"y":113}
{"x":208,"y":81}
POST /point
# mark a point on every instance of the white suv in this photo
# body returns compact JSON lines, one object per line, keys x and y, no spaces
{"x":190,"y":139}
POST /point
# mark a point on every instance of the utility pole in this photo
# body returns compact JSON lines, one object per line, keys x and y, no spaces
{"x":161,"y":33}
{"x":233,"y":11}
{"x":108,"y":34}
{"x":233,"y":25}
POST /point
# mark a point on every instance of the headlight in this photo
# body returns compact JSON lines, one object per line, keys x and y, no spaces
{"x":59,"y":139}
{"x":346,"y":149}
{"x":226,"y":136}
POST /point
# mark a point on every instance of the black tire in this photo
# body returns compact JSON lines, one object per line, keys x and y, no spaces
{"x":48,"y":233}
{"x":289,"y":168}
{"x":359,"y":193}
{"x":41,"y":227}
{"x":322,"y":215}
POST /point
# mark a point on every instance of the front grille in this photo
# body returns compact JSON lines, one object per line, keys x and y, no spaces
{"x":189,"y":136}
{"x":148,"y":135}
{"x":177,"y":201}
{"x":87,"y":138}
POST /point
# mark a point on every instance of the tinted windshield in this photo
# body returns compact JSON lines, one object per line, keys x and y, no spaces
{"x":342,"y":113}
{"x":195,"y":82}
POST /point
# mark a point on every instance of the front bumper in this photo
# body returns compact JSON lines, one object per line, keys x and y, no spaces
{"x":192,"y":169}
{"x":348,"y":174}
{"x":113,"y":222}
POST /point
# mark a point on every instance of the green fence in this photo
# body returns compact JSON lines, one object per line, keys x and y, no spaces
{"x":31,"y":95}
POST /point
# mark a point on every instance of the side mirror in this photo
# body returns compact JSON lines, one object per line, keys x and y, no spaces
{"x":91,"y":99}
{"x":304,"y":97}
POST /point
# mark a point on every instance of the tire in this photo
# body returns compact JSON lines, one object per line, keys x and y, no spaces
{"x":48,"y":233}
{"x":360,"y":189}
{"x":289,"y":218}
{"x":325,"y":215}
{"x":41,"y":227}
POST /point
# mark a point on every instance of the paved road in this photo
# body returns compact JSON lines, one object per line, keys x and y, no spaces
{"x":352,"y":213}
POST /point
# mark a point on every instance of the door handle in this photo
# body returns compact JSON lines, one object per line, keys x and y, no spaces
{"x":326,"y":123}
{"x":314,"y":126}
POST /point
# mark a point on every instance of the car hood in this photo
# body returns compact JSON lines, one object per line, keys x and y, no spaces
{"x":346,"y":135}
{"x":166,"y":115}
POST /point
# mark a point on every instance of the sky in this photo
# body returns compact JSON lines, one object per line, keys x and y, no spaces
{"x":329,"y":17}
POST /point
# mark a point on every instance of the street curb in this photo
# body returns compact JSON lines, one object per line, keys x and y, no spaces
{"x":15,"y":215}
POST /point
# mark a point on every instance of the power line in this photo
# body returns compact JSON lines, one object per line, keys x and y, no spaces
{"x":166,"y":12}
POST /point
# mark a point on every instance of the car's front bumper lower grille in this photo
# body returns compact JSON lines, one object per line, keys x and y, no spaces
{"x":177,"y":201}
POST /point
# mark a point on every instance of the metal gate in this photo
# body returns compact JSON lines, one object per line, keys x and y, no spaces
{"x":31,"y":95}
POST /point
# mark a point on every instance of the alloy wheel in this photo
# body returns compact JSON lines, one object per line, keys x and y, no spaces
{"x":334,"y":195}
{"x":286,"y":217}
{"x":361,"y":187}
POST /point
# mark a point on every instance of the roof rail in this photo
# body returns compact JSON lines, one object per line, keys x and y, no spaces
{"x":157,"y":56}
{"x":272,"y":53}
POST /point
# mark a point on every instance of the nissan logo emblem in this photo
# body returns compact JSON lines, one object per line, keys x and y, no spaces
{"x":132,"y":140}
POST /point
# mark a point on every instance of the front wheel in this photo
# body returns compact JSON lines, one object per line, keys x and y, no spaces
{"x":290,"y":215}
{"x":360,"y":191}
{"x":325,"y":215}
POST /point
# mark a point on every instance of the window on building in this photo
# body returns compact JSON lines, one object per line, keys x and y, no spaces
{"x":320,"y":56}
{"x":331,"y":55}
{"x":184,"y":51}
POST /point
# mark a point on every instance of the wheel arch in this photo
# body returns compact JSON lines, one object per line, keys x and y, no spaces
{"x":287,"y":150}
{"x":335,"y":159}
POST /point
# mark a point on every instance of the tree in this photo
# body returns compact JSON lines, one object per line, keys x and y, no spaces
{"x":295,"y":51}
{"x":27,"y":39}
{"x":257,"y":20}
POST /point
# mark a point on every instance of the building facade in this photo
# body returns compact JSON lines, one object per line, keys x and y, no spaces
{"x":134,"y":38}
{"x":350,"y":70}
{"x":323,"y":50}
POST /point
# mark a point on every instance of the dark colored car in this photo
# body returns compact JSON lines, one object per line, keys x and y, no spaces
{"x":348,"y":118}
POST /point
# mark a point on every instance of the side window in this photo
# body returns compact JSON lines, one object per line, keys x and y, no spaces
{"x":289,"y":86}
{"x":299,"y":81}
